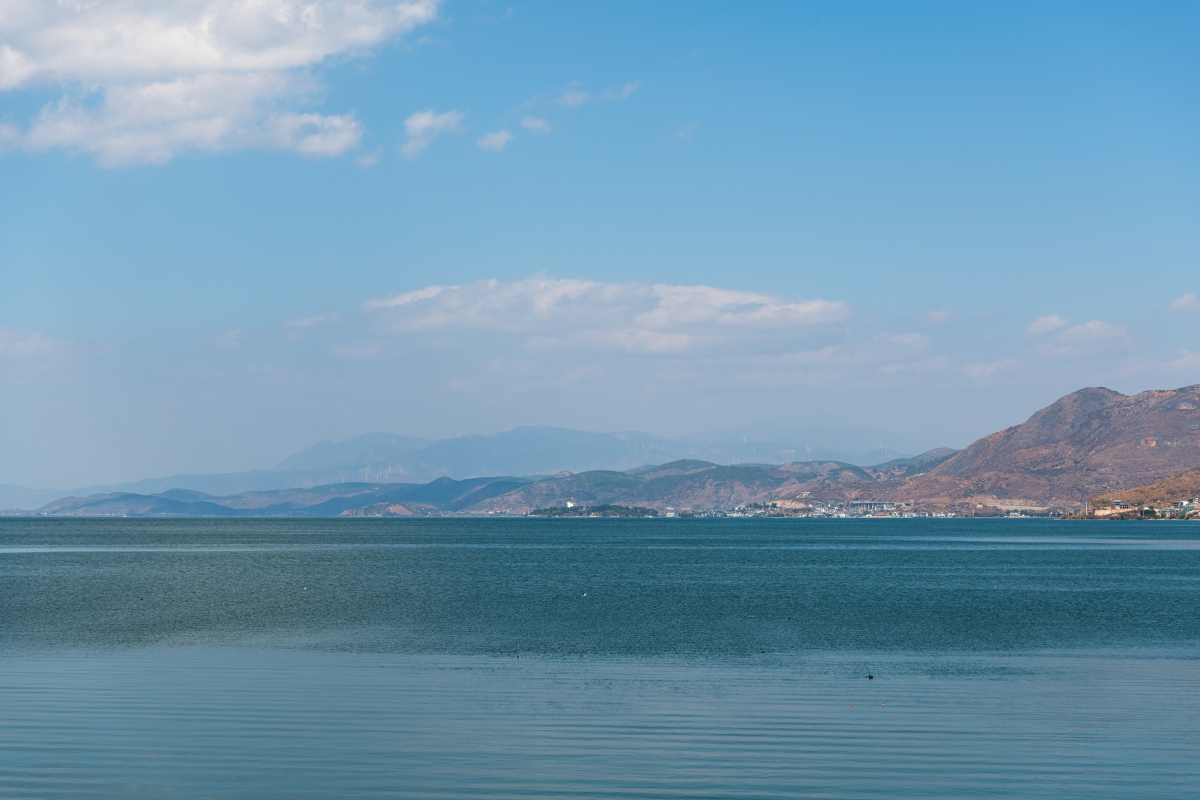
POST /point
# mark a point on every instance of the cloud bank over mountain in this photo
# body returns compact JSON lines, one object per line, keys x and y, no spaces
{"x":671,"y":359}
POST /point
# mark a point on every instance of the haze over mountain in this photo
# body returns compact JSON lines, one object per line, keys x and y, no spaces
{"x":1091,"y":441}
{"x":526,"y":451}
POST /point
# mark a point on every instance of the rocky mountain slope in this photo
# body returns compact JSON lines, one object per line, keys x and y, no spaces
{"x":1185,"y":486}
{"x":1091,"y":441}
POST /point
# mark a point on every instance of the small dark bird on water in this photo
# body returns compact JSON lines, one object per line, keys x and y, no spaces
{"x":870,"y":677}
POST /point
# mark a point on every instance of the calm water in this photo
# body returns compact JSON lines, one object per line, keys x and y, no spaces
{"x":657,"y":658}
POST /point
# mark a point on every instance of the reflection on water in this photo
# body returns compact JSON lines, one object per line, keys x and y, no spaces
{"x":317,"y":658}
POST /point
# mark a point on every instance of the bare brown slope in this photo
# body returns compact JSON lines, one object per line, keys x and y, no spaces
{"x":1185,"y":486}
{"x":1091,"y":441}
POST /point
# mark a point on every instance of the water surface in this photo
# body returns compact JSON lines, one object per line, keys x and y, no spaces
{"x":598,"y":658}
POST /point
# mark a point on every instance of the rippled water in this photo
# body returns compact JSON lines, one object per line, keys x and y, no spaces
{"x":657,"y":658}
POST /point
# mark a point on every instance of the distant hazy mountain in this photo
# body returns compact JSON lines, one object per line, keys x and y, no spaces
{"x":1089,"y":442}
{"x":380,"y":450}
{"x":683,"y":484}
{"x":687,"y":484}
{"x":521,"y":451}
{"x":21,"y":497}
{"x":394,"y":458}
{"x":442,"y":494}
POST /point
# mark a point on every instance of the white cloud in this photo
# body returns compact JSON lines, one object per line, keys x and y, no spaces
{"x":1046,"y":324}
{"x":1186,"y":303}
{"x":980,"y":370}
{"x":557,"y":314}
{"x":495,"y":141}
{"x":573,"y":98}
{"x":687,"y":131}
{"x":424,"y":127}
{"x":142,"y":82}
{"x":679,"y":305}
{"x":535,"y":125}
{"x":28,"y":345}
{"x":409,"y":297}
{"x":1088,"y":338}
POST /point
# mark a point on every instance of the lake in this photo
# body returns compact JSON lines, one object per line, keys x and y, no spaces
{"x":464,"y":658}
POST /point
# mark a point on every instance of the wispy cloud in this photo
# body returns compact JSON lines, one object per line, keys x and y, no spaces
{"x":981,"y":370}
{"x":941,"y":316}
{"x":1088,"y":338}
{"x":367,"y":160}
{"x":623,"y":93}
{"x":554,"y":314}
{"x":882,"y":354}
{"x":495,"y":141}
{"x":1047,"y":324}
{"x":686,"y":131}
{"x":1187,"y":303}
{"x":309,"y":322}
{"x":573,"y":97}
{"x":227,"y":340}
{"x":1187,"y":361}
{"x":143,"y":82}
{"x":424,"y":127}
{"x":935,"y":364}
{"x":535,"y":125}
{"x":15,"y":344}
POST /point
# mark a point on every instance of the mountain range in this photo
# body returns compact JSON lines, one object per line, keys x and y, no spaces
{"x":688,"y":484}
{"x":394,"y":458}
{"x":331,"y":500}
{"x":1089,"y":442}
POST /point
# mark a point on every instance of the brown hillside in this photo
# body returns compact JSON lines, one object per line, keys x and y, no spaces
{"x":1185,"y":486}
{"x":1089,"y":442}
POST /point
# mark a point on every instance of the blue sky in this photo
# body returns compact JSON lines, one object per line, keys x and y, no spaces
{"x":224,"y":224}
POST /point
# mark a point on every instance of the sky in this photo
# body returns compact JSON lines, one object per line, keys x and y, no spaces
{"x":232,"y":228}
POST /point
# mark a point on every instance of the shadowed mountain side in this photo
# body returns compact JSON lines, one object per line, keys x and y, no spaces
{"x":443,"y":494}
{"x":906,"y":467}
{"x":1091,"y":441}
{"x":123,"y":504}
{"x":687,"y":484}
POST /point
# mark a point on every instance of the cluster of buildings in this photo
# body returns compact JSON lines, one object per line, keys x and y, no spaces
{"x":1178,"y":509}
{"x":831,"y":510}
